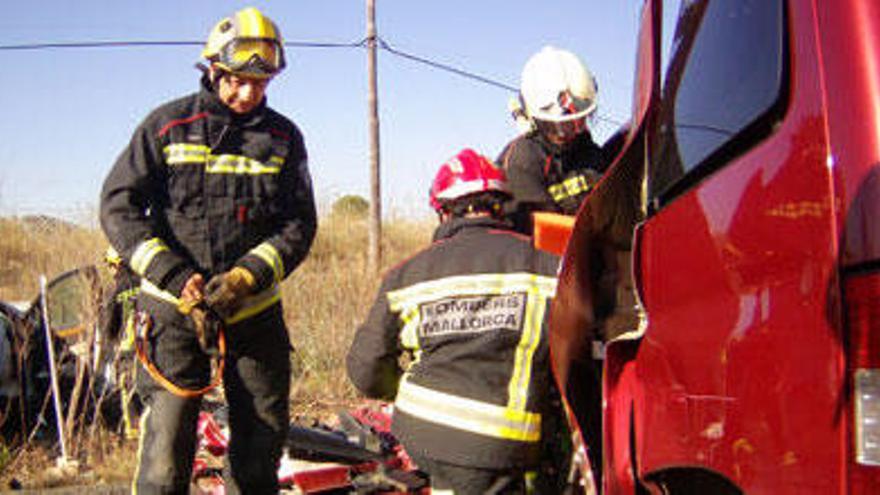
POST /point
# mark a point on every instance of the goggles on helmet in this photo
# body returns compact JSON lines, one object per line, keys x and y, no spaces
{"x":562,"y":131}
{"x":253,"y":57}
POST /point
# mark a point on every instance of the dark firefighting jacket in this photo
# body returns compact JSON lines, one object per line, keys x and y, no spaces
{"x":116,"y":316}
{"x":470,"y":309}
{"x":200,"y":189}
{"x":543,"y":176}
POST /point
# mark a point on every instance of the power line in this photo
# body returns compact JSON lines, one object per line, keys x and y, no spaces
{"x":135,"y":44}
{"x":381,"y":44}
{"x":385,"y":46}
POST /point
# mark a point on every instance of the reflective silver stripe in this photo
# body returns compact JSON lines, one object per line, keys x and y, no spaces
{"x":184,"y":153}
{"x":469,"y":285}
{"x":145,"y":253}
{"x":251,"y":306}
{"x":237,"y":164}
{"x":270,"y":256}
{"x":467,"y":414}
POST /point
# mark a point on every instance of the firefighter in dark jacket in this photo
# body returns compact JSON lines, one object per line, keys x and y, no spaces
{"x":212,"y":204}
{"x":555,"y":163}
{"x":117,"y":324}
{"x":470,"y":309}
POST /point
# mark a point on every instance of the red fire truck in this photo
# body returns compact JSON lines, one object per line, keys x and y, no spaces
{"x":729,"y":261}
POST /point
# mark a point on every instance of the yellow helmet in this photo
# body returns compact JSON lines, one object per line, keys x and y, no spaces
{"x":111,"y":256}
{"x":248,"y":43}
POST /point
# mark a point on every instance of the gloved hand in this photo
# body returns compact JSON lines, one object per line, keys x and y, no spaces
{"x":207,"y":326}
{"x":225,"y":292}
{"x":192,"y":304}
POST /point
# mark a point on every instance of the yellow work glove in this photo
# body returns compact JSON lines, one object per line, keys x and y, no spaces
{"x":224,"y":293}
{"x":204,"y":322}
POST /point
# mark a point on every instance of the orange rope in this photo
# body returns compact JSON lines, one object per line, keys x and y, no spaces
{"x":167,"y":383}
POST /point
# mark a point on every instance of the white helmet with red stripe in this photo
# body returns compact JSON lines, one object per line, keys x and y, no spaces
{"x":465,"y":174}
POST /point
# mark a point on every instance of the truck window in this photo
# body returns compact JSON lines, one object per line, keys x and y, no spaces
{"x":724,"y":88}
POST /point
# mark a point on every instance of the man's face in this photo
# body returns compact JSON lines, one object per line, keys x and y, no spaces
{"x":562,"y":133}
{"x":241,"y":93}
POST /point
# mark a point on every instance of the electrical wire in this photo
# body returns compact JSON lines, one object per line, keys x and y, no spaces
{"x":385,"y":46}
{"x":363,"y":43}
{"x":135,"y":44}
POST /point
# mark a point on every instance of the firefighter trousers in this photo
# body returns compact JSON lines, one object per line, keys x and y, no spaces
{"x":452,"y":479}
{"x":256,"y":381}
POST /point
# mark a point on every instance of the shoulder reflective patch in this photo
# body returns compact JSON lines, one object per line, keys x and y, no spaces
{"x":472,"y":314}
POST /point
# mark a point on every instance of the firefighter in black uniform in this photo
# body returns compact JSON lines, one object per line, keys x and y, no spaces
{"x":117,"y":323}
{"x":212,"y":202}
{"x":555,"y":163}
{"x":470,"y":309}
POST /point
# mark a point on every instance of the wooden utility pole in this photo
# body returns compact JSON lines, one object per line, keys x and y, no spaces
{"x":374,"y":253}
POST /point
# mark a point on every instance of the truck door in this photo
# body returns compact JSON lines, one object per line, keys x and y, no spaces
{"x":739,"y":369}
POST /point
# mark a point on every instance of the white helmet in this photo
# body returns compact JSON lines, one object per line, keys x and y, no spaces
{"x":556,"y":86}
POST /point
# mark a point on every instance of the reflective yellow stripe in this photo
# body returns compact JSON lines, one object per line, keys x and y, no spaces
{"x":469,"y":285}
{"x":569,"y":187}
{"x":145,"y":253}
{"x":256,"y":304}
{"x":140,"y":448}
{"x":270,"y":256}
{"x":190,"y":154}
{"x":408,"y":335}
{"x":467,"y":414}
{"x":518,"y":388}
{"x":184,"y":153}
{"x":251,"y":306}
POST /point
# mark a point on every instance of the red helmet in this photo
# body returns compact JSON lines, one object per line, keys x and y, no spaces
{"x":466,"y":173}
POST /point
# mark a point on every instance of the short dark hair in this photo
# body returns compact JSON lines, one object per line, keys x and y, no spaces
{"x":482,"y":202}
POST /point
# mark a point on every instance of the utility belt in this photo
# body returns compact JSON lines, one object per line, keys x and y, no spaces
{"x":217,"y":348}
{"x":251,"y":306}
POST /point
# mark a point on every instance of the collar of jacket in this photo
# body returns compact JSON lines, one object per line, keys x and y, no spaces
{"x":210,"y":101}
{"x":459,"y":225}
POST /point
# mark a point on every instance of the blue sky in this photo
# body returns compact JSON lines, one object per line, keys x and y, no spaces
{"x":67,"y":113}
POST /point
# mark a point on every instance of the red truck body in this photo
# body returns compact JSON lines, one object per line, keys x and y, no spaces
{"x":747,"y":199}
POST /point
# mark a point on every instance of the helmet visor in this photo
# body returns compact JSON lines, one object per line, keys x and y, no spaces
{"x":258,"y":57}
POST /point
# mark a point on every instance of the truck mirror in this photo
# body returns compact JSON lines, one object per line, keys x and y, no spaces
{"x":69,"y":299}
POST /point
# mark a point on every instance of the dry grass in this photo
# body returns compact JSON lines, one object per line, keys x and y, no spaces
{"x":324,"y":300}
{"x":37,"y":246}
